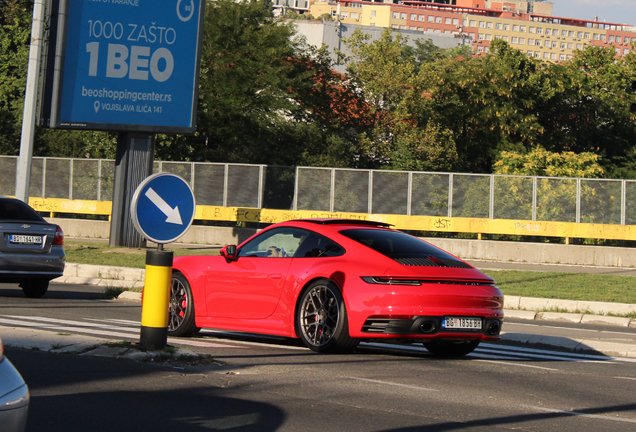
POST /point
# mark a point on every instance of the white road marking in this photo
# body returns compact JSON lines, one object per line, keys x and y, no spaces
{"x":627,"y":378}
{"x":575,"y":413}
{"x":499,"y":362}
{"x":391,"y":384}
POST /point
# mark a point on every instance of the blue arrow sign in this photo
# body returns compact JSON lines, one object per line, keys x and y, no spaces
{"x":163,"y":207}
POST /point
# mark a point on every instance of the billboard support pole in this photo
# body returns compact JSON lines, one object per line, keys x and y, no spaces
{"x":133,"y":163}
{"x":23,"y":172}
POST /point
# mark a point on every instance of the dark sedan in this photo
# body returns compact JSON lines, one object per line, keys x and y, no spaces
{"x":31,"y":249}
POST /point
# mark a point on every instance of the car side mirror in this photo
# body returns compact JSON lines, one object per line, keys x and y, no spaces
{"x":229,"y":252}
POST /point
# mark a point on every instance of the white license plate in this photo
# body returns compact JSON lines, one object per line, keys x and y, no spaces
{"x":461,"y":323}
{"x":24,"y":239}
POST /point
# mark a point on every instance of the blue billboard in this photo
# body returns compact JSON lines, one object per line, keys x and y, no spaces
{"x":127,"y":65}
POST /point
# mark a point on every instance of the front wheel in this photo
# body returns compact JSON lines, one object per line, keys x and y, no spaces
{"x":181,"y":314}
{"x":446,"y":348}
{"x":35,"y":288}
{"x":321,"y":319}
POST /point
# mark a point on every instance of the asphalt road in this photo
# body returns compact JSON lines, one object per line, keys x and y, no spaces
{"x":265,"y":384}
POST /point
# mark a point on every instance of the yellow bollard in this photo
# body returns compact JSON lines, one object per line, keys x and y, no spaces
{"x":156,"y":299}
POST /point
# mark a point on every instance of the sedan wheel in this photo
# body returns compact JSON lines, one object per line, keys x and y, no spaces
{"x":447,"y":348}
{"x":321,"y":319}
{"x":181,"y":315}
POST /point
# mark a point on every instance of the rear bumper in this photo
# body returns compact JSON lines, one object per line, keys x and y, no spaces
{"x":404,"y":311}
{"x":15,"y":267}
{"x":14,"y":399}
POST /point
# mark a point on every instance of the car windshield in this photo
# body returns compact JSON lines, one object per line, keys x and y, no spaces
{"x":403,"y":248}
{"x":14,"y":210}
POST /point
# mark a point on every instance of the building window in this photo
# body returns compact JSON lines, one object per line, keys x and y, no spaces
{"x":489,"y":25}
{"x":396,"y":15}
{"x":481,"y":36}
{"x":438,"y":20}
{"x":586,"y":36}
{"x":571,"y":34}
{"x":498,"y":26}
{"x":603,"y":37}
{"x":611,"y":39}
{"x":372,"y":14}
{"x":617,"y":51}
{"x":394,"y":26}
{"x":548,"y":32}
{"x":570,"y":45}
{"x":564,"y":33}
{"x":553,"y":56}
{"x":354,"y":15}
{"x":579,"y":35}
{"x":402,"y":27}
{"x":595,"y":36}
{"x":522,"y":41}
{"x":522,"y":29}
{"x":625,"y":51}
{"x":420,"y":18}
{"x":530,"y":41}
{"x":537,"y":54}
{"x":529,"y":53}
{"x":403,"y":16}
{"x":413,"y":17}
{"x":515,"y":28}
{"x":497,"y":37}
{"x":618,"y":39}
{"x":480,"y":49}
{"x":488,"y":37}
{"x":505,"y":38}
{"x":546,"y":55}
{"x":344,"y":14}
{"x":471,"y":35}
{"x":447,"y":21}
{"x":562,"y":45}
{"x":431,"y":18}
{"x":429,"y":29}
{"x":562,"y":57}
{"x":507,"y":27}
{"x":538,"y":42}
{"x":487,"y":49}
{"x":539,"y":30}
{"x":554,"y":44}
{"x":472,"y":23}
{"x":569,"y":56}
{"x":515,"y":40}
{"x":532,"y":30}
{"x":455,"y":21}
{"x":482,"y":24}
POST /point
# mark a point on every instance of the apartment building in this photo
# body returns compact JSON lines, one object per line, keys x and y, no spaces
{"x":526,"y":25}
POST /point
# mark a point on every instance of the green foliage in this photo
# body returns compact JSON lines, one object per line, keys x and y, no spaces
{"x":540,"y":162}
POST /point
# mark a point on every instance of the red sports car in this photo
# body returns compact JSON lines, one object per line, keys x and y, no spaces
{"x":334,"y":282}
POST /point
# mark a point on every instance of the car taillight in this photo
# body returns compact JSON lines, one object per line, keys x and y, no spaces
{"x":58,"y":240}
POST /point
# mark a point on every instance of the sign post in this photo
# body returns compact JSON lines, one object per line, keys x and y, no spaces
{"x":162,"y":210}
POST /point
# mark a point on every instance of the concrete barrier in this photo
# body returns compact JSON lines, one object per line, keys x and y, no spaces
{"x":545,"y":253}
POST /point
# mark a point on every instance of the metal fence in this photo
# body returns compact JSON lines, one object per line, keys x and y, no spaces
{"x":347,"y":190}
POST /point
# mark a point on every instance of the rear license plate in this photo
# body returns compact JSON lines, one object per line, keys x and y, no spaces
{"x":461,"y":323}
{"x":25,"y":239}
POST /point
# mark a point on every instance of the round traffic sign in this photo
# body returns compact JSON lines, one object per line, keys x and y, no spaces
{"x":163,"y":207}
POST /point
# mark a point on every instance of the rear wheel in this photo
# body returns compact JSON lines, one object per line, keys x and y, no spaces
{"x":321,"y":319}
{"x":181,"y":315}
{"x":446,"y":348}
{"x":35,"y":288}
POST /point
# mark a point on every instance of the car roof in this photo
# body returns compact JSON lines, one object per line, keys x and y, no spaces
{"x":342,"y":221}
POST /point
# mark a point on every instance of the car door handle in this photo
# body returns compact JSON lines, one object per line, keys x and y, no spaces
{"x":275,"y":276}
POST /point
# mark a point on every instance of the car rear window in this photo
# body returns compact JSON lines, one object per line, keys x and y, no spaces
{"x":14,"y":210}
{"x":404,"y":248}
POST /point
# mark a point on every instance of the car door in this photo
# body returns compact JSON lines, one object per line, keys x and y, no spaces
{"x":250,"y":286}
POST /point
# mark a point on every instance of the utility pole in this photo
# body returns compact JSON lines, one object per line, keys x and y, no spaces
{"x":23,"y":172}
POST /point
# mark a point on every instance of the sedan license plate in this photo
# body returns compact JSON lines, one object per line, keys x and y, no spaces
{"x":461,"y":323}
{"x":25,"y":239}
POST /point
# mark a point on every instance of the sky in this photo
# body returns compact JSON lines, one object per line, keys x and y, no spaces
{"x":612,"y":11}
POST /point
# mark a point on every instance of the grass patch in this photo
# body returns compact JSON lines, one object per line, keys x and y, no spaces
{"x":101,"y":254}
{"x":566,"y":286}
